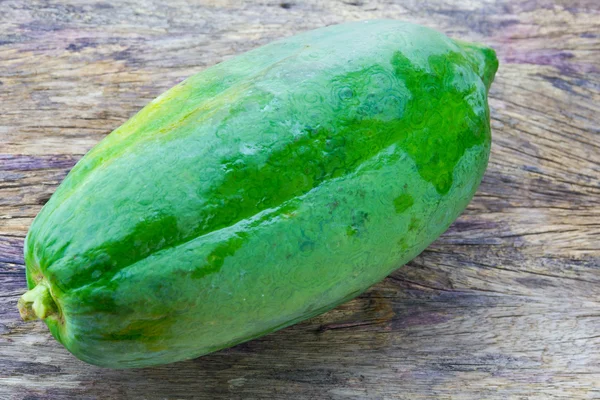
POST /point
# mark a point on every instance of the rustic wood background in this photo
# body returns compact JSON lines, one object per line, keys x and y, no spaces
{"x":506,"y":304}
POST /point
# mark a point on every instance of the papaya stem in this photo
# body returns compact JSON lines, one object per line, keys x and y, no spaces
{"x":37,"y":303}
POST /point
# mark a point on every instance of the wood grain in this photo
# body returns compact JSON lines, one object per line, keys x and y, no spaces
{"x":506,"y":304}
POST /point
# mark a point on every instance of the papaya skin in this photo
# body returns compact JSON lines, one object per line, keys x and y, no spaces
{"x":260,"y":192}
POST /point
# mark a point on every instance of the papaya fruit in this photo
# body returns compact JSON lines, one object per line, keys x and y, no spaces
{"x":260,"y":192}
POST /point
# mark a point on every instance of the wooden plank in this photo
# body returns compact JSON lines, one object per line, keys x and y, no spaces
{"x":504,"y":305}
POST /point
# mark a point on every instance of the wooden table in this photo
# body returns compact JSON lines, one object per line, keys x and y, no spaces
{"x":506,"y":304}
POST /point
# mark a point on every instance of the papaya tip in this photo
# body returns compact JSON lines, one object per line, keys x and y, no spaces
{"x":482,"y":58}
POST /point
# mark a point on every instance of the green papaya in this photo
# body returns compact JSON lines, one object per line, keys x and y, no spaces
{"x":260,"y":192}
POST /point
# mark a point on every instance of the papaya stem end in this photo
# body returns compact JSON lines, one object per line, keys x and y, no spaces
{"x":37,"y":303}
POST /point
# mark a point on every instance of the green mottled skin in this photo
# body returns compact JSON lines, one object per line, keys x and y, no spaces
{"x":263,"y":191}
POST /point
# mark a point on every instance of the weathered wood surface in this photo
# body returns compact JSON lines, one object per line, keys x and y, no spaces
{"x":505,"y":305}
